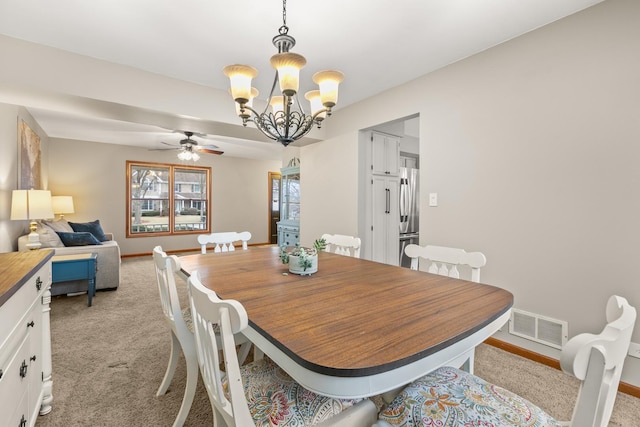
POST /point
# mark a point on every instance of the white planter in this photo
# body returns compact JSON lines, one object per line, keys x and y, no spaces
{"x":294,"y":265}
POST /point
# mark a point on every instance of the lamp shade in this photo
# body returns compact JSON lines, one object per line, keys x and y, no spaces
{"x":288,"y":65}
{"x":62,"y":205}
{"x":313,"y":96}
{"x":246,"y":114}
{"x":240,"y":77}
{"x":31,"y":204}
{"x":328,"y":82}
{"x":277,"y":106}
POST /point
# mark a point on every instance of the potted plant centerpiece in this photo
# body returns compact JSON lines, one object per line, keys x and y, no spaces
{"x":303,"y":261}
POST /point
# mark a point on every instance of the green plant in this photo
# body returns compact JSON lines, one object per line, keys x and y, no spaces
{"x":320,"y":245}
{"x":303,"y":254}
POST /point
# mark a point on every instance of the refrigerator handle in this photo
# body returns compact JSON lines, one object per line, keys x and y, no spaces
{"x":403,"y":200}
{"x":388,"y":207}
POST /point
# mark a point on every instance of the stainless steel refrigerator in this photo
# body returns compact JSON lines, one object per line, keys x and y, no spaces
{"x":409,"y":210}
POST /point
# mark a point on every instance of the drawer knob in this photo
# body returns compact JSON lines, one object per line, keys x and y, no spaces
{"x":23,"y":369}
{"x":38,"y":283}
{"x":31,"y":324}
{"x":33,"y":358}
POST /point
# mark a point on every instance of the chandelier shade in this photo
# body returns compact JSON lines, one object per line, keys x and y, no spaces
{"x":328,"y":81}
{"x":313,"y":96}
{"x":245,"y":114}
{"x":284,"y":119}
{"x":240,"y":76}
{"x":288,"y":66}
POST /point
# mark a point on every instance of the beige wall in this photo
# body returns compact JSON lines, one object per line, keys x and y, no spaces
{"x":95,"y":175}
{"x":328,"y":188}
{"x":533,"y":148}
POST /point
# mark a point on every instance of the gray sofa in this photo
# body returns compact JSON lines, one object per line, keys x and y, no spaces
{"x":108,"y":260}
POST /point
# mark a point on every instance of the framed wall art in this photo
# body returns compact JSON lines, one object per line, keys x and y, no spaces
{"x":29,"y":158}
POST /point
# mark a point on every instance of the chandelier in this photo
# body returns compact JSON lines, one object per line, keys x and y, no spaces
{"x":284,"y":119}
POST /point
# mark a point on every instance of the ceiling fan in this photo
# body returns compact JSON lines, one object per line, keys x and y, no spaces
{"x":189,"y":147}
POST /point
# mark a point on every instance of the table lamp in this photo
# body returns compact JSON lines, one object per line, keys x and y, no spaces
{"x":62,"y":205}
{"x":31,"y":205}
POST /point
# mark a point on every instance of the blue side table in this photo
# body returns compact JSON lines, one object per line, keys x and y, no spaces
{"x":66,"y":268}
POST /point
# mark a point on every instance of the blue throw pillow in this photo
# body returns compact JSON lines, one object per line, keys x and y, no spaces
{"x":93,"y":227}
{"x":82,"y":238}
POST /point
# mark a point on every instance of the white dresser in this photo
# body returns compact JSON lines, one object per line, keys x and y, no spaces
{"x":25,"y":337}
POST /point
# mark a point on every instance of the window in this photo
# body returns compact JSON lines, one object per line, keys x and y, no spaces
{"x":152,"y":209}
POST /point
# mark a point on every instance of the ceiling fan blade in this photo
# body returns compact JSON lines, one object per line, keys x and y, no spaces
{"x":206,"y":147}
{"x":166,"y":143}
{"x":207,"y":151}
{"x":164,"y":149}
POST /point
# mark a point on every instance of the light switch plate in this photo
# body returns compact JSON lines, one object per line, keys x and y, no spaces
{"x":433,"y":199}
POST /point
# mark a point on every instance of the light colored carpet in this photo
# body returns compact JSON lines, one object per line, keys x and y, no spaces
{"x":109,"y":359}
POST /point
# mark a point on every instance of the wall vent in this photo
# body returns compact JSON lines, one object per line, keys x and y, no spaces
{"x":541,"y":329}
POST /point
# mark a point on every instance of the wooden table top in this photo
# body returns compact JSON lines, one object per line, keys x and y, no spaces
{"x":353,"y":317}
{"x":16,"y":267}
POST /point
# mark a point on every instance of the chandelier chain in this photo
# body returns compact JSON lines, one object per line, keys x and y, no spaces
{"x":284,"y":12}
{"x":284,"y":29}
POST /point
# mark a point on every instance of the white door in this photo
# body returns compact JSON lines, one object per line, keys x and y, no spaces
{"x":385,"y":219}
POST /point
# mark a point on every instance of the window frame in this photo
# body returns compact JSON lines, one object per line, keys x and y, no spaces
{"x":172,"y":169}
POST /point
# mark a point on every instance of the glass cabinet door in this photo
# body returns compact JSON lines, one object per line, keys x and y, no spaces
{"x":289,"y":224}
{"x":291,"y":196}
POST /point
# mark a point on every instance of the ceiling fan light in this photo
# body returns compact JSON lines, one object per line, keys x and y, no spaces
{"x":288,"y":65}
{"x":184,"y":155}
{"x":195,"y":157}
{"x":328,"y":81}
{"x":240,"y":77}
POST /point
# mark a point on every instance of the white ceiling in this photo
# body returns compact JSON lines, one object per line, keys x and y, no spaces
{"x":378,"y":44}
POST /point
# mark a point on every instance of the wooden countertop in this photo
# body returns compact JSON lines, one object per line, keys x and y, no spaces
{"x":16,"y":267}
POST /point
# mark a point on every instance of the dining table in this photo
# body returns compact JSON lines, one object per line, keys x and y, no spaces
{"x":355,"y":328}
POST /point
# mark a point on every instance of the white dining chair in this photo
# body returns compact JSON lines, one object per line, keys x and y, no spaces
{"x":445,"y":261}
{"x":223,"y":241}
{"x":449,"y":396}
{"x":259,"y":393}
{"x":180,"y":326}
{"x":343,"y":245}
{"x":182,"y":339}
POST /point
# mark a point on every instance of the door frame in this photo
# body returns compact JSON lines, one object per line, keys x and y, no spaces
{"x":273,"y":176}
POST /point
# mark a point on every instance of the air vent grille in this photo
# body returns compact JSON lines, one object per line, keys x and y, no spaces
{"x":541,"y":329}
